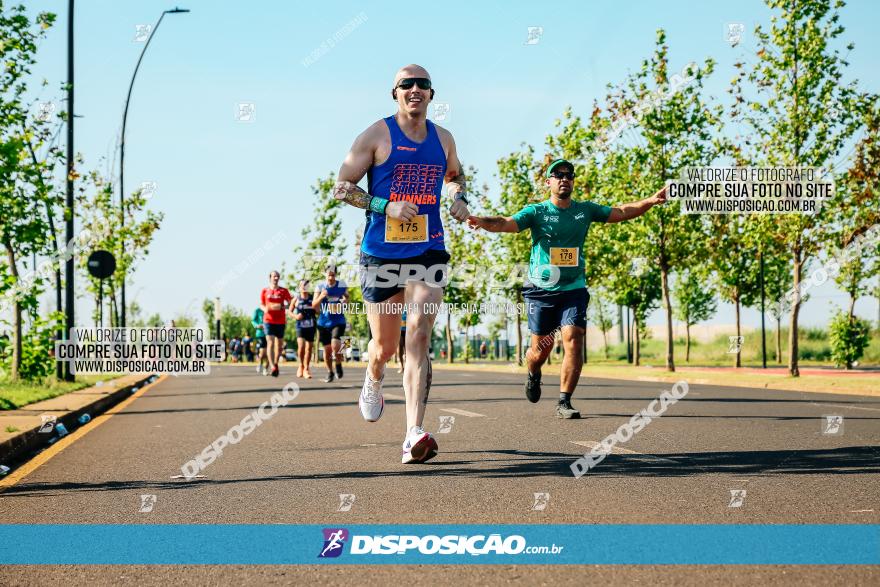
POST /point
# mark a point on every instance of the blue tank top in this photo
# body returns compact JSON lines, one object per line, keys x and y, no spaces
{"x":413,"y":172}
{"x":331,"y":308}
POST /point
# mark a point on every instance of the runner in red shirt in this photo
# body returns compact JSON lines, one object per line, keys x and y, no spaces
{"x":274,"y":301}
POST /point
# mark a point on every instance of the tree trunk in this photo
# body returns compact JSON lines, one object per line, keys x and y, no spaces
{"x":793,"y":369}
{"x":114,"y":309}
{"x":851,"y":317}
{"x":16,"y":317}
{"x":664,"y":281}
{"x":687,"y":343}
{"x":605,"y":340}
{"x":779,"y":339}
{"x":737,"y":361}
{"x":636,"y":346}
{"x":449,"y":348}
{"x":467,"y":345}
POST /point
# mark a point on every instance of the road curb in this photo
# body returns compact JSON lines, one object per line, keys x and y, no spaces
{"x":25,"y":443}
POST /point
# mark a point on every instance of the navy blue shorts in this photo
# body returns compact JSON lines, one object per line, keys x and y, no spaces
{"x":328,"y":333}
{"x":548,"y":310}
{"x":261,"y":342}
{"x":380,"y":278}
{"x":274,"y":329}
{"x":307,"y":333}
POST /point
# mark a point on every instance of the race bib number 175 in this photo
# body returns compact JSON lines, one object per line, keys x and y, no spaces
{"x":407,"y":231}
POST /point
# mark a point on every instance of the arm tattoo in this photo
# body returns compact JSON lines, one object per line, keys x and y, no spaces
{"x":460,"y":179}
{"x":351,"y":194}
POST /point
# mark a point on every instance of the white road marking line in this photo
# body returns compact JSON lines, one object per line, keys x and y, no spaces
{"x":818,"y":404}
{"x":462,"y":412}
{"x":394,"y":396}
{"x":466,"y":374}
{"x":620,"y":451}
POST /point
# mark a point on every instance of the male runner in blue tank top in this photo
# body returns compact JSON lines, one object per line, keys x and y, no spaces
{"x":407,"y":159}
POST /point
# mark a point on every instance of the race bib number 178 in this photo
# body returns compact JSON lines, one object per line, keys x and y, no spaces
{"x":564,"y":256}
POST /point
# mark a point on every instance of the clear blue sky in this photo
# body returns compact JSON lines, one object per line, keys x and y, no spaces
{"x":226,"y":186}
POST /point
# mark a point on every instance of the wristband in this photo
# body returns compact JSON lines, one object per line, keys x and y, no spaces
{"x":462,"y":196}
{"x":378,"y":205}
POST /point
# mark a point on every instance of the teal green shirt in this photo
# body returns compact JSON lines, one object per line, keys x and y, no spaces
{"x":257,"y":321}
{"x":558,"y":236}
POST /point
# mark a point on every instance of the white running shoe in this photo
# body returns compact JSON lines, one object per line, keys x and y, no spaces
{"x":418,"y":447}
{"x":371,"y":402}
{"x":258,"y":368}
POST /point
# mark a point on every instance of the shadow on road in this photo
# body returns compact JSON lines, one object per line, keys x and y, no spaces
{"x":854,"y":460}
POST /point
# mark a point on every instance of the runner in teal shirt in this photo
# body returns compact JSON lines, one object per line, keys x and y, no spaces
{"x":257,"y":322}
{"x":557,"y":297}
{"x":558,"y":233}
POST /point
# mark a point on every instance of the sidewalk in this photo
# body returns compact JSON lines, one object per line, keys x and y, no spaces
{"x":67,"y":409}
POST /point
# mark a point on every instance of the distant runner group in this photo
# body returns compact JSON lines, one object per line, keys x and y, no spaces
{"x":314,"y":310}
{"x":407,"y":159}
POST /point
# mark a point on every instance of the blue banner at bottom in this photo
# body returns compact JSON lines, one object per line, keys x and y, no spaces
{"x":88,"y":544}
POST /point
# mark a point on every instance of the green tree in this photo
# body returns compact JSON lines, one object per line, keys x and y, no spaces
{"x":636,"y":284}
{"x":23,"y":193}
{"x":849,"y":338}
{"x":517,"y":173}
{"x":322,"y":238}
{"x":323,"y":243}
{"x":467,"y":251}
{"x":733,"y":258}
{"x":234,"y":322}
{"x":358,"y":325}
{"x":695,"y":302}
{"x":801,"y":113}
{"x":675,"y":131}
{"x":100,"y":215}
{"x":857,"y":209}
{"x":603,"y":316}
{"x":184,"y":321}
{"x":777,"y":280}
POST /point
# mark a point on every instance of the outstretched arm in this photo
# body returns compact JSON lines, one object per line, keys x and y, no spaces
{"x":493,"y":223}
{"x":636,"y":209}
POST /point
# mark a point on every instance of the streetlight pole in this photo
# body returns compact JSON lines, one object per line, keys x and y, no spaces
{"x":763,"y":312}
{"x":69,"y":299}
{"x":122,"y":151}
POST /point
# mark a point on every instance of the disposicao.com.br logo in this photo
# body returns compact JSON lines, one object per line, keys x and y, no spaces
{"x":394,"y":544}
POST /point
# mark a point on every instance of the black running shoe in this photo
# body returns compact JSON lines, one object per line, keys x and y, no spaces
{"x":329,"y":378}
{"x":566,"y":411}
{"x":275,"y":371}
{"x":533,"y":388}
{"x":339,"y":370}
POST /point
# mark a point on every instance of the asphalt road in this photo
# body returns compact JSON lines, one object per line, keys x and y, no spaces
{"x":499,"y":452}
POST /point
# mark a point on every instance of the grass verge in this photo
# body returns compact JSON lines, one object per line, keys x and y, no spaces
{"x":15,"y":394}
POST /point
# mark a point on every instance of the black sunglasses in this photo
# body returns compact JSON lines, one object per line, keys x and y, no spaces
{"x":569,"y":175}
{"x":408,"y":82}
